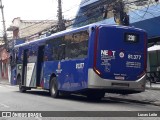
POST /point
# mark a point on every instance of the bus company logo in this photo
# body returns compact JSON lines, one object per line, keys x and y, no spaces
{"x":121,"y":54}
{"x":109,"y":53}
{"x":59,"y":66}
{"x":79,"y":65}
{"x":59,"y":70}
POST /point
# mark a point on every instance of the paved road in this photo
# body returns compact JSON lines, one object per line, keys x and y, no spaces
{"x":12,"y":100}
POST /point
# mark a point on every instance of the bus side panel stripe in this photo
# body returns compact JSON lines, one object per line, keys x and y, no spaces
{"x":33,"y":78}
{"x":30,"y":69}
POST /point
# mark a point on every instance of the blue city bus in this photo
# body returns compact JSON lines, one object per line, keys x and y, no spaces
{"x":89,"y":60}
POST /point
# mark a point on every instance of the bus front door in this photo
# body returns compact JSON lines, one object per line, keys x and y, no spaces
{"x":24,"y":69}
{"x":39,"y":64}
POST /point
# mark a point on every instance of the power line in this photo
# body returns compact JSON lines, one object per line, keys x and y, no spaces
{"x":61,"y":25}
{"x":92,"y":17}
{"x":85,"y":13}
{"x":117,"y":6}
{"x":147,"y":8}
{"x":42,"y":21}
{"x":55,"y":17}
{"x":92,"y":9}
{"x":144,"y":16}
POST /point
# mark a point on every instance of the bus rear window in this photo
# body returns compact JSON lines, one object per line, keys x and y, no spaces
{"x":131,"y":38}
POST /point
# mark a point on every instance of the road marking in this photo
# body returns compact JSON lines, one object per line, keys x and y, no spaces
{"x":3,"y":105}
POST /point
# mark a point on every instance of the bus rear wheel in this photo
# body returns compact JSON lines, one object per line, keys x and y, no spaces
{"x":54,"y":92}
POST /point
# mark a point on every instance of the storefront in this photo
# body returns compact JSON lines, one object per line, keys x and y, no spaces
{"x":4,"y":62}
{"x":154,"y":58}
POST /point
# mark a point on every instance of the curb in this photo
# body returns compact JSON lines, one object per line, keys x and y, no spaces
{"x":156,"y":103}
{"x":152,"y":88}
{"x":4,"y":83}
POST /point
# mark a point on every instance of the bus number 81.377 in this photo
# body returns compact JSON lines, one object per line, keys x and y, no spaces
{"x":134,"y":57}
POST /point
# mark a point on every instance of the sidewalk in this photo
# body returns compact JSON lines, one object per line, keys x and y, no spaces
{"x":153,"y":86}
{"x":4,"y":81}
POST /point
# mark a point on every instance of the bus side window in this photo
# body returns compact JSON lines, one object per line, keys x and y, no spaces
{"x":77,"y":45}
{"x":50,"y":51}
{"x":61,"y":52}
{"x":55,"y":53}
{"x":77,"y":50}
{"x":83,"y":49}
{"x":46,"y":50}
{"x":72,"y":50}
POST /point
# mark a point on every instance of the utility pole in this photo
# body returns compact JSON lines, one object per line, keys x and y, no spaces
{"x":4,"y":26}
{"x":61,"y":24}
{"x":120,"y":16}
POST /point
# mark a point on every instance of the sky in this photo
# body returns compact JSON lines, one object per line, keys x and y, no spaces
{"x":36,"y":10}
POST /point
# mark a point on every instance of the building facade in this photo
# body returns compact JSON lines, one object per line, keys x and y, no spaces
{"x":30,"y":29}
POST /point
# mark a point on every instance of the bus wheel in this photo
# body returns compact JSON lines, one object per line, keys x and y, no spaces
{"x":21,"y":88}
{"x":54,"y":92}
{"x":95,"y":96}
